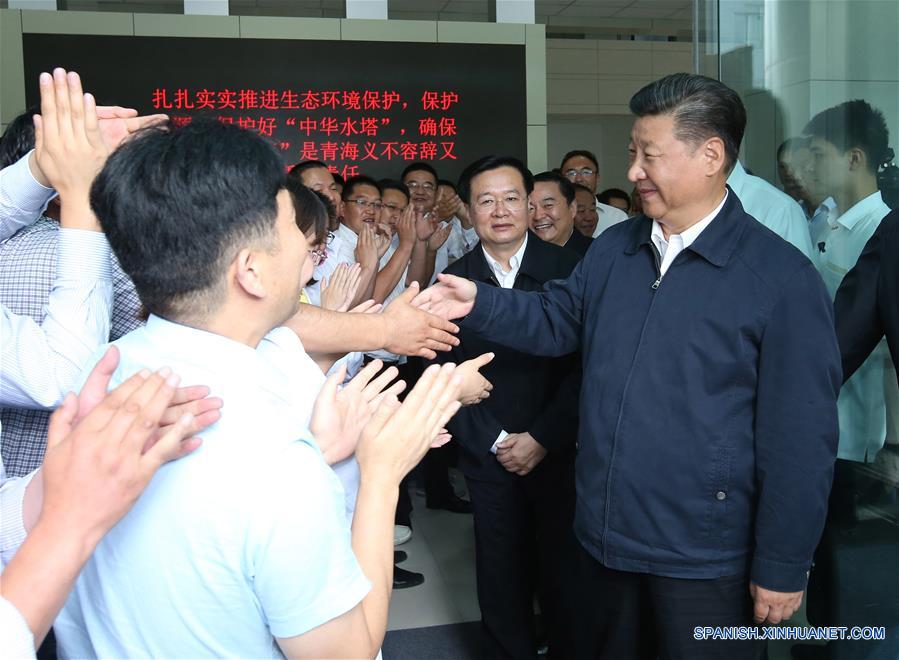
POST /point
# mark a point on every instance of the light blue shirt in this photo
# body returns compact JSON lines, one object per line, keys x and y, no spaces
{"x":862,"y":403}
{"x":773,"y":208}
{"x":240,"y":542}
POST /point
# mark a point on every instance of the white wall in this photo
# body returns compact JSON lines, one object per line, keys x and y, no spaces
{"x":589,"y":84}
{"x":605,"y":135}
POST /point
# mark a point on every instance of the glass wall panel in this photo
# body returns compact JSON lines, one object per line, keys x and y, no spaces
{"x":820,"y":82}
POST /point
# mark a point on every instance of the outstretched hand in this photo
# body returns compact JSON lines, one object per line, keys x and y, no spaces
{"x":450,"y":298}
{"x":410,"y":330}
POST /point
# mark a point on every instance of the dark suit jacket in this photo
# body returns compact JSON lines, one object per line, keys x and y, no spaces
{"x":579,"y":243}
{"x":867,"y":302}
{"x":530,"y":393}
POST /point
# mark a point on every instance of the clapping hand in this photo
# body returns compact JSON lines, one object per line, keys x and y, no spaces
{"x":340,"y":414}
{"x":338,"y":292}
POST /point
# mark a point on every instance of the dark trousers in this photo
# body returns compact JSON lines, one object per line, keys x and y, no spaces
{"x":854,"y":580}
{"x":524,"y":545}
{"x":644,"y":617}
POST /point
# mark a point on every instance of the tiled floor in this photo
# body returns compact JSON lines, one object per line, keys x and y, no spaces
{"x":442,"y":548}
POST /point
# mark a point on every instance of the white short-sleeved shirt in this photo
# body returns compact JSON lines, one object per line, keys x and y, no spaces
{"x":242,"y":541}
{"x":862,"y":401}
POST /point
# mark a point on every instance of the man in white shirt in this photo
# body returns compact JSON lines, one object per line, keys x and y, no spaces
{"x":580,"y":166}
{"x":847,"y":144}
{"x":86,"y":484}
{"x":431,"y":253}
{"x":243,"y":549}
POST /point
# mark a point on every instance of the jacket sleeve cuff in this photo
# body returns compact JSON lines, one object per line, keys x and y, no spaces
{"x":780,"y":576}
{"x":479,"y":317}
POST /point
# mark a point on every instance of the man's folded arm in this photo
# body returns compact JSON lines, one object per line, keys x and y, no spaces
{"x":796,"y":432}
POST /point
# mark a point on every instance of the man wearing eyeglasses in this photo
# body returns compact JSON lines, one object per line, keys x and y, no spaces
{"x":421,"y":180}
{"x":580,"y":166}
{"x":357,"y":235}
{"x":517,"y":447}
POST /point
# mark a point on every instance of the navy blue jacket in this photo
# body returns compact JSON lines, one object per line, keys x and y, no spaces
{"x":708,"y":418}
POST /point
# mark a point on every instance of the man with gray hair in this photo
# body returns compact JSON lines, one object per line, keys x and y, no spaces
{"x":708,"y":422}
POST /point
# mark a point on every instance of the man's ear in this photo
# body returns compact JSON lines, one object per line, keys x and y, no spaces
{"x":248,"y":267}
{"x":714,"y":155}
{"x":857,"y":159}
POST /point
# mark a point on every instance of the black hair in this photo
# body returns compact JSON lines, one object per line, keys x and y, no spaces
{"x":338,"y":179}
{"x":359,"y":180}
{"x":297,"y":170}
{"x":581,"y":186}
{"x":392,"y":184}
{"x":853,"y":124}
{"x":18,"y":138}
{"x":312,"y":210}
{"x":178,"y":204}
{"x":583,"y":153}
{"x":565,"y":186}
{"x":419,"y":166}
{"x":613,"y":193}
{"x":701,"y":107}
{"x":447,"y":183}
{"x":488,"y":163}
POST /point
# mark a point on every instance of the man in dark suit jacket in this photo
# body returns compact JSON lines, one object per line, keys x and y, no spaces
{"x":517,"y":448}
{"x":867,"y":302}
{"x":555,"y":206}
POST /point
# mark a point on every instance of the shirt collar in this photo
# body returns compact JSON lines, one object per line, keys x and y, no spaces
{"x":691,"y":233}
{"x":514,"y":261}
{"x":346,"y":234}
{"x":873,"y":203}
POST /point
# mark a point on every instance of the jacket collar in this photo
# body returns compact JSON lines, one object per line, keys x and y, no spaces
{"x":534,"y":263}
{"x":716,"y":244}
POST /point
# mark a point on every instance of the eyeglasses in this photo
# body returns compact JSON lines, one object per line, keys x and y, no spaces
{"x":393,"y":208}
{"x":510,"y":202}
{"x":318,"y":255}
{"x":365,"y":204}
{"x":584,"y":171}
{"x":424,"y":185}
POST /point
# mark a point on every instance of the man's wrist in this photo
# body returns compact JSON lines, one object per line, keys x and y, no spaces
{"x":375,"y":482}
{"x":67,"y":540}
{"x":36,"y":170}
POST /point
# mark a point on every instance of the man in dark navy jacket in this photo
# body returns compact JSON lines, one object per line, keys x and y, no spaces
{"x":708,"y":424}
{"x":517,"y":447}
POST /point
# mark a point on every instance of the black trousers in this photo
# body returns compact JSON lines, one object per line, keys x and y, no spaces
{"x":524,"y":545}
{"x":644,"y":617}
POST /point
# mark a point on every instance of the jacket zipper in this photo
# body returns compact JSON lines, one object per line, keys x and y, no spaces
{"x":627,"y":383}
{"x":658,"y":282}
